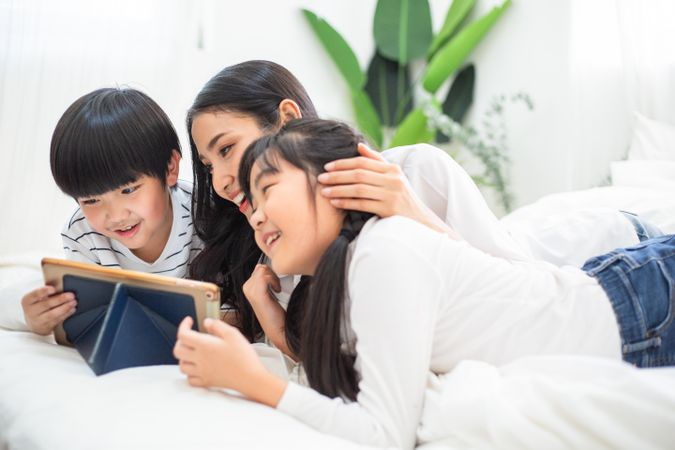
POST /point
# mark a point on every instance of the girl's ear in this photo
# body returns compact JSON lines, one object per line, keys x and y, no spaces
{"x":288,"y":110}
{"x":172,"y":169}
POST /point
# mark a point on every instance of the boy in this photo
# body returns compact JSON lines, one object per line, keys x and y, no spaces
{"x":116,"y":153}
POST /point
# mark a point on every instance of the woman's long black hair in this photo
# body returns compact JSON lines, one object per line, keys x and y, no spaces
{"x":255,"y":89}
{"x":316,"y":311}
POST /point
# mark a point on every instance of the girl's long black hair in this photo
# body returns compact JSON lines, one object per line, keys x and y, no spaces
{"x":316,"y":311}
{"x":255,"y":89}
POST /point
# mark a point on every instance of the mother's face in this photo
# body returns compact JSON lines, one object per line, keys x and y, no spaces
{"x":221,"y":138}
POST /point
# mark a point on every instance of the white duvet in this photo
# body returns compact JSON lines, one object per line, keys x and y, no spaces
{"x":49,"y":398}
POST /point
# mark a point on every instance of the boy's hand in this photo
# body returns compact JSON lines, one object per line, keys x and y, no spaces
{"x":44,"y":309}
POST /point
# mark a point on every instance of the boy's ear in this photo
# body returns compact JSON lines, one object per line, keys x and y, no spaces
{"x":172,"y":169}
{"x":288,"y":110}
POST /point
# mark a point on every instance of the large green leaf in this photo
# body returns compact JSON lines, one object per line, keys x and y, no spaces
{"x":402,"y":29}
{"x":338,"y":49}
{"x":412,"y":130}
{"x":459,"y":98}
{"x":388,"y":85}
{"x":366,"y":117}
{"x":448,"y":59}
{"x":456,"y":13}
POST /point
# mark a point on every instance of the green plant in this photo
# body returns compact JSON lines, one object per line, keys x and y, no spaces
{"x":385,"y":105}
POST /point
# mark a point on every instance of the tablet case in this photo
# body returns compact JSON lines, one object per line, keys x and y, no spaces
{"x":116,"y":326}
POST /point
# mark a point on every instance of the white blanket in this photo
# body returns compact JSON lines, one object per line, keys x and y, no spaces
{"x":550,"y":403}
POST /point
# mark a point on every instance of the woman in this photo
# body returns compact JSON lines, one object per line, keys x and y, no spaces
{"x":390,"y":301}
{"x":247,"y":100}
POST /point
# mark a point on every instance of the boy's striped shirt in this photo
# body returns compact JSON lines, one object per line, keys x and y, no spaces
{"x":82,"y":243}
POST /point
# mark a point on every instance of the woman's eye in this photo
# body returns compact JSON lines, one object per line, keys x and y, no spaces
{"x":225,"y":150}
{"x":88,"y":202}
{"x":264,"y":189}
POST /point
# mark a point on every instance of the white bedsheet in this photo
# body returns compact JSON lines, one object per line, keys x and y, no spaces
{"x":51,"y":400}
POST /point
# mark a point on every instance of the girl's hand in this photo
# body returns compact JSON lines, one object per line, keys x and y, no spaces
{"x":256,"y":289}
{"x":44,"y":309}
{"x":267,"y":309}
{"x":223,"y":358}
{"x":369,"y":183}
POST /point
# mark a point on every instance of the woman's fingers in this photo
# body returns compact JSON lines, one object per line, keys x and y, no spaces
{"x":367,"y":152}
{"x":356,"y":204}
{"x":360,"y":191}
{"x":359,"y":162}
{"x":356,"y":176}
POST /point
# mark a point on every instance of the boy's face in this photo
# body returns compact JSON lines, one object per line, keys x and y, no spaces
{"x":138,"y":215}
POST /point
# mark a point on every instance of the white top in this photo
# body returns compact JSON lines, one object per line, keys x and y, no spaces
{"x":82,"y":243}
{"x":421,"y":302}
{"x":562,"y":238}
{"x":445,"y":188}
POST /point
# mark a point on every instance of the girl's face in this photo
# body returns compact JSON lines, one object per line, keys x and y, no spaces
{"x":293,"y":223}
{"x":221,"y":138}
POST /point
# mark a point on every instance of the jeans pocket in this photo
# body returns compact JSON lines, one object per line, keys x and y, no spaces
{"x":667,"y":308}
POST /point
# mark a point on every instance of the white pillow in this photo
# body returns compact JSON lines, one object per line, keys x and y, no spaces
{"x":25,"y":280}
{"x":652,"y":140}
{"x":644,"y":174}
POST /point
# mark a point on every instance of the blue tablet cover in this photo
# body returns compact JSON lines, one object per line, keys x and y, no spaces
{"x":117,"y":326}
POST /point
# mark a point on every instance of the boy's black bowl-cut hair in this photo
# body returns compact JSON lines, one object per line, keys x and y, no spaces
{"x":109,"y":138}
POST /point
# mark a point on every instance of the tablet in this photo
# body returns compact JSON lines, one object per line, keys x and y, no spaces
{"x":205,"y":297}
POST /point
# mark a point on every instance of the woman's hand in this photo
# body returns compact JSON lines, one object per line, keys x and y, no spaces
{"x":267,"y":309}
{"x":44,"y":309}
{"x":223,"y":358}
{"x":369,"y":183}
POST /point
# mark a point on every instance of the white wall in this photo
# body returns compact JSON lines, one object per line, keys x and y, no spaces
{"x":53,"y":52}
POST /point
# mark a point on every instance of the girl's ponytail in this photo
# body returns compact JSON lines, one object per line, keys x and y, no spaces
{"x":329,"y":369}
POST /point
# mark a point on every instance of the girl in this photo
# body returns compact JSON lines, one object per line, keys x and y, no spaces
{"x":245,"y":101}
{"x":367,"y":348}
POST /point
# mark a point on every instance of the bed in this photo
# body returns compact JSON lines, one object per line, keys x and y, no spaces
{"x":49,"y":398}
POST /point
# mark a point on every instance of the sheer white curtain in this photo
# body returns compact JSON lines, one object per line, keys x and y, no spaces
{"x":53,"y":52}
{"x":622,"y":59}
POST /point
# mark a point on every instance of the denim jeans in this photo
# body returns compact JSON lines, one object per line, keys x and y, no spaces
{"x":640,"y":284}
{"x":643,"y":229}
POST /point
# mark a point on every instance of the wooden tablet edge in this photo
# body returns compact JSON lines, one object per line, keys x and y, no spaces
{"x":206,"y":295}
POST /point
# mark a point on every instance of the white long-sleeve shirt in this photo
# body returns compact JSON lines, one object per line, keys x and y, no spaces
{"x":420,"y":302}
{"x":562,"y":238}
{"x":450,"y":193}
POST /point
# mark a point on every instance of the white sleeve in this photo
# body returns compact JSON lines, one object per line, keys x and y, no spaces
{"x":393,"y":319}
{"x":446,"y":188}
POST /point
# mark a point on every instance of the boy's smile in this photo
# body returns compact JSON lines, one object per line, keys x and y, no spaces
{"x":127,"y":232}
{"x":138,"y":215}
